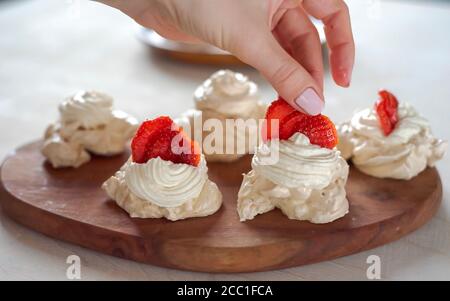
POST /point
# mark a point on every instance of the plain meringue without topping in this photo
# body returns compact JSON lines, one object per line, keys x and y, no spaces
{"x":161,"y":188}
{"x":307,"y":182}
{"x":226,"y":95}
{"x":86,"y":109}
{"x":87,"y":124}
{"x":403,"y":154}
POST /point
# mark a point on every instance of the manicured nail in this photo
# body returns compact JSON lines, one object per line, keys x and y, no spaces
{"x":343,"y":76}
{"x":346,"y":78}
{"x":310,"y":102}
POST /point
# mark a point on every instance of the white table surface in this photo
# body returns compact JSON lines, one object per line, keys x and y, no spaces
{"x":48,"y":49}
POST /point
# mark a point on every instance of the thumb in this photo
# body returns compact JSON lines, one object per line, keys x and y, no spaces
{"x":285,"y":74}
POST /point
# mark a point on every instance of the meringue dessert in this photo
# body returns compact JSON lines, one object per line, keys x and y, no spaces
{"x":225,"y":95}
{"x":160,"y":181}
{"x":390,"y":140}
{"x":298,"y":170}
{"x":87,"y":124}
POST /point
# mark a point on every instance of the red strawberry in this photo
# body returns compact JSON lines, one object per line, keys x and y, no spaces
{"x":277,"y":111}
{"x":154,"y":139}
{"x":147,"y":132}
{"x":386,"y":108}
{"x":319,"y":129}
{"x":290,"y":124}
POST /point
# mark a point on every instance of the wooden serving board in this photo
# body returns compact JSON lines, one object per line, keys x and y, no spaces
{"x":69,"y":205}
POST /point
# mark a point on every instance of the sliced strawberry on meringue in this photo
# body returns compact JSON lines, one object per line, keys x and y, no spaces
{"x":161,"y":137}
{"x":296,"y":169}
{"x":319,"y":129}
{"x":387,"y":111}
{"x":166,"y":176}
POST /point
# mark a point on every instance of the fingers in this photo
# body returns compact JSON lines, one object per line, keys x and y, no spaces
{"x":286,"y":75}
{"x":299,"y":37}
{"x":277,"y":8}
{"x":336,"y":18}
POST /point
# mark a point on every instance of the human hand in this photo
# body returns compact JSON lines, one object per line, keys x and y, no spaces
{"x":274,"y":36}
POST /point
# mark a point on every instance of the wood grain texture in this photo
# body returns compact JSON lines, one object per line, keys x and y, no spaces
{"x":68,"y":204}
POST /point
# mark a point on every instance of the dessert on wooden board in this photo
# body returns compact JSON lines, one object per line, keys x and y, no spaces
{"x":390,"y":140}
{"x":225,"y":95}
{"x":87,"y":124}
{"x":163,"y":179}
{"x":306,"y":178}
{"x":158,"y":184}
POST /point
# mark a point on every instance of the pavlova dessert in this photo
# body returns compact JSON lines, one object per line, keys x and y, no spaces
{"x":390,"y":140}
{"x":225,"y":95}
{"x":87,"y":124}
{"x":298,"y":169}
{"x":166,"y":175}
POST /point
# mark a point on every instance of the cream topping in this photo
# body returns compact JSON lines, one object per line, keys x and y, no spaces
{"x":300,"y":163}
{"x":165,"y":183}
{"x":306,"y":182}
{"x":221,"y":142}
{"x":166,"y":180}
{"x":87,"y":123}
{"x":228,"y":93}
{"x":86,"y":109}
{"x":403,"y":154}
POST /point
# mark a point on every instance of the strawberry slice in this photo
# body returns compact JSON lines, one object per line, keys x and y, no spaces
{"x":319,"y":129}
{"x":279,"y":109}
{"x":147,"y":132}
{"x":155,"y":138}
{"x":289,"y":125}
{"x":387,"y":111}
{"x":276,"y":111}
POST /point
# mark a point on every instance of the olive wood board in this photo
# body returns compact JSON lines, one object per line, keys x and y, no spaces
{"x":68,"y":204}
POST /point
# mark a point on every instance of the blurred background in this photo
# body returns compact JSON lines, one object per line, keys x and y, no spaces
{"x":51,"y":48}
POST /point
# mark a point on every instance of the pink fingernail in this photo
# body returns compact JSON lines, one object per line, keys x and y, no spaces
{"x":310,"y":102}
{"x":344,"y":76}
{"x":347,"y":77}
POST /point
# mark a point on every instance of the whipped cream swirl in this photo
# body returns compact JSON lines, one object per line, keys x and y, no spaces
{"x":403,"y":154}
{"x":87,"y":124}
{"x":300,"y":163}
{"x":307,"y":182}
{"x":161,"y":188}
{"x":86,"y":109}
{"x":165,"y":183}
{"x":227,"y":93}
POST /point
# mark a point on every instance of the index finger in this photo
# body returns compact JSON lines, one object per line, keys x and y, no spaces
{"x":336,"y":18}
